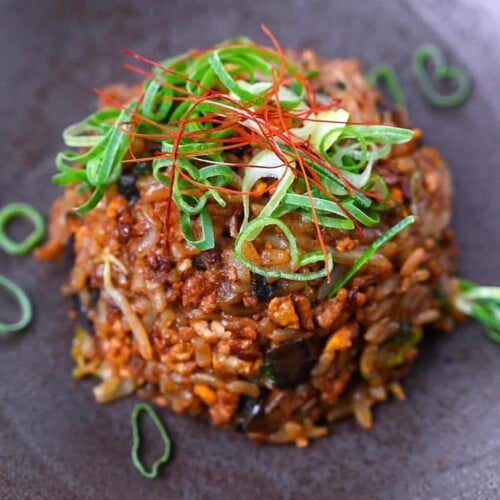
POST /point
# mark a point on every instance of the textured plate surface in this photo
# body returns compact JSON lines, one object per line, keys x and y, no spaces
{"x":56,"y":443}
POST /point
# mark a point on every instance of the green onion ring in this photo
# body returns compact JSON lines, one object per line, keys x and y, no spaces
{"x":370,"y":251}
{"x":443,"y":72}
{"x":252,"y":231}
{"x":11,"y":211}
{"x":206,"y":241}
{"x":138,"y":408}
{"x":24,"y":304}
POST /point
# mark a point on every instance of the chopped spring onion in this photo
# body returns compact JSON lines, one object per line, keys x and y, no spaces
{"x":103,"y":160}
{"x":257,"y":89}
{"x":81,"y":135}
{"x":252,"y":231}
{"x":278,"y":195}
{"x":327,"y":207}
{"x":90,"y":131}
{"x":24,"y":304}
{"x":385,"y":74}
{"x":254,"y":228}
{"x":206,"y":240}
{"x":11,"y":211}
{"x":360,"y":179}
{"x":371,"y":143}
{"x":265,"y":165}
{"x":481,"y":303}
{"x":384,"y":134}
{"x":443,"y":73}
{"x":136,"y":440}
{"x":370,"y":251}
{"x":210,"y":111}
{"x":328,"y":129}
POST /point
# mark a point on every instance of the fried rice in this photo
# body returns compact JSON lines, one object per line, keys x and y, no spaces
{"x":198,"y":332}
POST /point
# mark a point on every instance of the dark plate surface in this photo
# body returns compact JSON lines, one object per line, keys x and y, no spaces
{"x":56,"y":443}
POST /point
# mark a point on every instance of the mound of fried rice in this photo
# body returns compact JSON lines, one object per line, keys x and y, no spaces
{"x":197,"y":332}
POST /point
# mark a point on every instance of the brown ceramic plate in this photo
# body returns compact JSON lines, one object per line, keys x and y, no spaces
{"x":56,"y":443}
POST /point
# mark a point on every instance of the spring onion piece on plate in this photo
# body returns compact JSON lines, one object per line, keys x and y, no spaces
{"x":13,"y":211}
{"x":443,"y":74}
{"x":481,"y":303}
{"x":24,"y":304}
{"x":136,"y":444}
{"x":385,"y":75}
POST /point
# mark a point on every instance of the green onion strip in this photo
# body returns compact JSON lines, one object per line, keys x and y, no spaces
{"x":370,"y":251}
{"x":136,"y":443}
{"x":15,"y":210}
{"x":24,"y":304}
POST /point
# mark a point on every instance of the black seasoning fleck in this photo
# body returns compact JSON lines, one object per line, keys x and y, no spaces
{"x":291,"y":362}
{"x":142,"y":168}
{"x":261,"y":288}
{"x":82,"y":310}
{"x":240,"y":150}
{"x":69,"y":255}
{"x":155,"y":148}
{"x":127,"y":188}
{"x":208,"y":259}
{"x":251,"y":411}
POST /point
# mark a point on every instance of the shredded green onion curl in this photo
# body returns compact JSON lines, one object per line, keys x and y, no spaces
{"x":200,"y":105}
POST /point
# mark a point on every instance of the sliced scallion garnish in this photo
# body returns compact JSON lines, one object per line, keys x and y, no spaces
{"x":203,"y":105}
